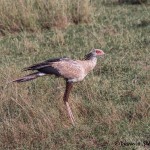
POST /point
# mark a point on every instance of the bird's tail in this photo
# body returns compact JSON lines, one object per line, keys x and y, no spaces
{"x":29,"y":77}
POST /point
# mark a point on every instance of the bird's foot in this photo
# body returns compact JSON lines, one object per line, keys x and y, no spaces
{"x":70,"y":114}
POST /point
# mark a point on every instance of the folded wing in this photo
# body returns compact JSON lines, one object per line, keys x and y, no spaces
{"x":63,"y":67}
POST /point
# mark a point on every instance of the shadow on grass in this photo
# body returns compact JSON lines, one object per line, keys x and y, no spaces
{"x":121,"y":2}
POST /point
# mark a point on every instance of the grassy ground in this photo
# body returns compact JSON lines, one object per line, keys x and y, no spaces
{"x":111,"y":106}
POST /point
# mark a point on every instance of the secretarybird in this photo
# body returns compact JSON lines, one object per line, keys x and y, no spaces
{"x":71,"y":70}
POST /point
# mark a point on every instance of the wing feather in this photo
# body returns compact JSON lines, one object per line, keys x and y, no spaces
{"x":69,"y":69}
{"x":44,"y":64}
{"x":64,"y":67}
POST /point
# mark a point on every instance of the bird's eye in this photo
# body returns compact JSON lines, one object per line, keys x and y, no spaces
{"x":98,"y":52}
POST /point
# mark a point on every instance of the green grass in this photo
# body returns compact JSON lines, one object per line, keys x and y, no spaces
{"x":112,"y":104}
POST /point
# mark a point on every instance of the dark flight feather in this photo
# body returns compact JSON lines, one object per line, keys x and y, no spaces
{"x":44,"y":64}
{"x":49,"y":70}
{"x":28,"y":77}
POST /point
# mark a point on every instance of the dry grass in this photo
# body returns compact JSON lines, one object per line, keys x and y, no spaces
{"x":33,"y":15}
{"x":111,"y":105}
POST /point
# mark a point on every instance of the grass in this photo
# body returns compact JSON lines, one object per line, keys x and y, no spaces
{"x":33,"y":15}
{"x":111,"y":106}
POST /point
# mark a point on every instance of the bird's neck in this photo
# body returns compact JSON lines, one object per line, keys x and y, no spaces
{"x":90,"y":57}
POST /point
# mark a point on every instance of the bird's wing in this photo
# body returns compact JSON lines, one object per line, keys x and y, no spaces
{"x":64,"y":67}
{"x":68,"y":69}
{"x":44,"y":63}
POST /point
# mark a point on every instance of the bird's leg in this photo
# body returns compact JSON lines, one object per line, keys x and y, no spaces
{"x":69,"y":86}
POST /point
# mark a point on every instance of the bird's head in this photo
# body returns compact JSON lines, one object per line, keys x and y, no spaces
{"x":94,"y":53}
{"x":97,"y":52}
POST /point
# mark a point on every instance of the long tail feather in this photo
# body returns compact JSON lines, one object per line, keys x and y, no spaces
{"x":29,"y":77}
